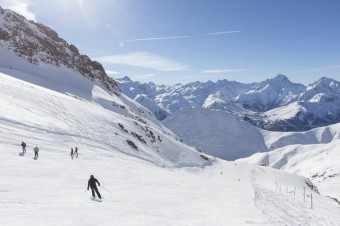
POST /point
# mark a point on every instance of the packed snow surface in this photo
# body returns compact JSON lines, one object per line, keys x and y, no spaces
{"x":319,"y":162}
{"x":164,"y":182}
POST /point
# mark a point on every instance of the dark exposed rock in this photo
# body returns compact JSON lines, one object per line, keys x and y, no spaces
{"x":38,"y":43}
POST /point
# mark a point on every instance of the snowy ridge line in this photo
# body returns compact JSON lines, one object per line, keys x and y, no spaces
{"x":275,"y":104}
{"x":39,"y":44}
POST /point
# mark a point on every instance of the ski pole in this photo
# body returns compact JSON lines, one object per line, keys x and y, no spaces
{"x":106,"y":189}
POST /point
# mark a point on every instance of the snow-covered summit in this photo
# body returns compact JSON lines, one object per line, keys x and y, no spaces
{"x":38,"y":44}
{"x":124,"y":79}
{"x":324,"y":85}
{"x":271,"y":93}
{"x":264,"y":104}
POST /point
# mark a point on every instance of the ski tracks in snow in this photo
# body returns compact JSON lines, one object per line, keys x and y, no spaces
{"x":283,"y":208}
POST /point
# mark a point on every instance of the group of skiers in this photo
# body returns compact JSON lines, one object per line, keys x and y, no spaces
{"x":36,"y":149}
{"x":75,"y":152}
{"x":92,"y":183}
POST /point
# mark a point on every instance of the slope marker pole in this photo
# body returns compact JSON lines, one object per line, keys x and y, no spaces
{"x":311,"y":200}
{"x":304,"y":194}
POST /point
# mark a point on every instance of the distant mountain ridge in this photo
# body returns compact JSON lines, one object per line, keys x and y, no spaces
{"x":275,"y":104}
{"x":48,"y":88}
{"x":38,"y":43}
{"x":225,"y":136}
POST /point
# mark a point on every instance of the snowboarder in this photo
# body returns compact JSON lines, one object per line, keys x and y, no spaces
{"x":93,"y":185}
{"x":76,"y":152}
{"x":36,"y":150}
{"x":72,"y":153}
{"x":23,"y":145}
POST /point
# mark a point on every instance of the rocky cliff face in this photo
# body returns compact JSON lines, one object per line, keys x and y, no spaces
{"x":38,"y":43}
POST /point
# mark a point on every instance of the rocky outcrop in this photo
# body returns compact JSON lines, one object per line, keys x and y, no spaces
{"x":38,"y":43}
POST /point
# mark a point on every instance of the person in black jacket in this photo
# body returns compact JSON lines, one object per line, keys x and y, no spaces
{"x":36,"y":150}
{"x":72,"y":153}
{"x":93,"y":185}
{"x":23,"y":145}
{"x":76,"y":152}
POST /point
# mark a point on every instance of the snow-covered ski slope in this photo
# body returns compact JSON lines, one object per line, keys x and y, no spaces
{"x":164,"y":182}
{"x":60,"y":101}
{"x":52,"y":191}
{"x":319,"y":162}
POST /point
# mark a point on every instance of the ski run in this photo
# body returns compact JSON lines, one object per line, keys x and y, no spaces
{"x":145,"y":187}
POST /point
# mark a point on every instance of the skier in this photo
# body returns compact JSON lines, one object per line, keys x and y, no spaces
{"x":92,"y":184}
{"x":76,"y":151}
{"x":36,"y":150}
{"x":72,"y":153}
{"x":23,"y":145}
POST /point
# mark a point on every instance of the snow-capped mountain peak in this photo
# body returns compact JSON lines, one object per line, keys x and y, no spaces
{"x":281,"y":78}
{"x":38,"y":44}
{"x":124,"y":79}
{"x":326,"y":85}
{"x":264,"y":104}
{"x":270,"y":94}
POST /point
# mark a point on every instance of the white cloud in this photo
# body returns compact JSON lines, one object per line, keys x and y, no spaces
{"x":155,"y":38}
{"x":221,"y":71}
{"x":122,"y":43}
{"x":112,"y":72}
{"x":143,"y":59}
{"x":19,"y":6}
{"x":223,"y":32}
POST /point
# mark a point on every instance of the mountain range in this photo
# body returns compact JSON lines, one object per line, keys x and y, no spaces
{"x":275,"y":104}
{"x":155,"y":172}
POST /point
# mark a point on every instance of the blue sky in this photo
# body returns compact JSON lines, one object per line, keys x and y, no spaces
{"x":181,"y":41}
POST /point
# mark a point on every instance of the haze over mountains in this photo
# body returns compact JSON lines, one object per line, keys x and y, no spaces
{"x":275,"y":104}
{"x":53,"y":97}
